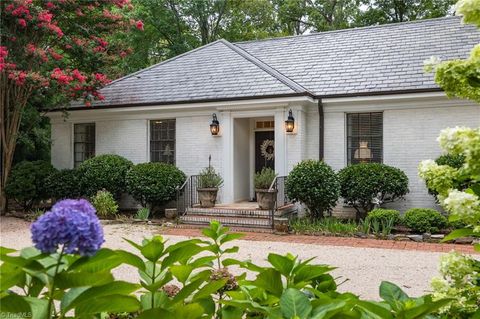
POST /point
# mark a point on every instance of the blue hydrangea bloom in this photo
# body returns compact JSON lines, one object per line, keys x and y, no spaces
{"x":72,"y":223}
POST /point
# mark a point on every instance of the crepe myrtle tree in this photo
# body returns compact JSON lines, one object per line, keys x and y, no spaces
{"x":54,"y":52}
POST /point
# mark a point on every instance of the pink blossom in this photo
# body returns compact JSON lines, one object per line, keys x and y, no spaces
{"x":45,"y":16}
{"x":22,"y":23}
{"x":50,"y":5}
{"x":61,"y":77}
{"x":139,"y":25}
{"x":123,"y":54}
{"x":102,"y":78}
{"x":20,"y":10}
{"x":31,"y":48}
{"x":55,"y":55}
{"x":18,"y":77}
{"x":78,"y":76}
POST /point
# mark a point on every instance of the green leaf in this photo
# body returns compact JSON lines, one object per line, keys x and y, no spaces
{"x":393,"y":295}
{"x":110,"y":303}
{"x":157,"y":313}
{"x":70,"y":296}
{"x":181,"y":272}
{"x":181,"y":255}
{"x":187,"y":290}
{"x":12,"y":304}
{"x":294,"y":304}
{"x":153,"y":250}
{"x":113,"y":288}
{"x":231,"y":250}
{"x":229,"y":237}
{"x":6,"y":251}
{"x":271,"y":281}
{"x":457,"y":233}
{"x":209,"y":289}
{"x":78,"y":279}
{"x":104,"y":259}
{"x":189,"y":311}
{"x":283,"y":264}
{"x":131,"y":259}
{"x":328,"y":310}
{"x":426,"y":308}
{"x":373,"y":310}
{"x":39,"y":307}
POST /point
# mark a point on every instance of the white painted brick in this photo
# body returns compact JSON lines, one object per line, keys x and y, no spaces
{"x":62,"y":152}
{"x":127,"y":138}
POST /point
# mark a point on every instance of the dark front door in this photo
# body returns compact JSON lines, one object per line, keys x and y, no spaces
{"x":264,"y":150}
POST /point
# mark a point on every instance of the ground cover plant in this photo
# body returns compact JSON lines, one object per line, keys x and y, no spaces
{"x":67,"y":274}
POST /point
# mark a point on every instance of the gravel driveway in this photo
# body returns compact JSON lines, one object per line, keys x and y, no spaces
{"x":363,"y":268}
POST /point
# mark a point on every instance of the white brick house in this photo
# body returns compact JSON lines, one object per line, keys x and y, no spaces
{"x":343,"y":88}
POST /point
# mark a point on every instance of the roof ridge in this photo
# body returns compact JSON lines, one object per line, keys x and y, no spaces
{"x":385,"y":25}
{"x":266,"y":68}
{"x":160,"y":63}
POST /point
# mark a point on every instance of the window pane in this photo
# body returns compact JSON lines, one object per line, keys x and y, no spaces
{"x":162,"y":141}
{"x":364,"y":137}
{"x":83,"y":142}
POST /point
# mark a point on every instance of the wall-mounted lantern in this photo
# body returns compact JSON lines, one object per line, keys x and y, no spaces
{"x":215,"y":126}
{"x":290,"y":122}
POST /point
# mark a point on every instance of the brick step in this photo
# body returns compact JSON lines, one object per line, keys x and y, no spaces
{"x":239,"y":212}
{"x":248,"y":222}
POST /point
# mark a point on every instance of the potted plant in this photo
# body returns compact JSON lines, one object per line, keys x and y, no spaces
{"x":209,"y":182}
{"x":265,"y":196}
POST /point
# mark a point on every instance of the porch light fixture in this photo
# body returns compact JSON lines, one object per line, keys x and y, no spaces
{"x":215,"y":126}
{"x":290,"y":122}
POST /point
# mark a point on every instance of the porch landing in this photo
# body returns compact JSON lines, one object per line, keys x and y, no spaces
{"x":241,"y":214}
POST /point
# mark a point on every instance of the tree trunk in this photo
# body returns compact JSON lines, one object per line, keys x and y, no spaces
{"x":13,"y":99}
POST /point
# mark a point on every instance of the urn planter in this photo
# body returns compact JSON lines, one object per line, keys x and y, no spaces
{"x":207,"y":197}
{"x":266,"y":198}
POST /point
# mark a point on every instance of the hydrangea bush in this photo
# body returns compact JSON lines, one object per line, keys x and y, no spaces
{"x":68,"y":275}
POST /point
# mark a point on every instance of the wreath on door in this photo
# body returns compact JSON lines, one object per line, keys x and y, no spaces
{"x":267,"y":150}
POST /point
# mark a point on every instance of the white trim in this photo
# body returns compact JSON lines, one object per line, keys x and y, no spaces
{"x":390,"y":102}
{"x":178,"y":110}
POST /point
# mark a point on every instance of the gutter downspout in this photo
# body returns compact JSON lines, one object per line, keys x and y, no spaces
{"x":321,"y":133}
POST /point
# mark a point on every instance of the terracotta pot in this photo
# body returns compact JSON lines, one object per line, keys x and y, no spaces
{"x":266,"y":199}
{"x":207,"y":197}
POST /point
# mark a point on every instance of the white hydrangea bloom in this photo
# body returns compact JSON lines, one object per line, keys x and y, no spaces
{"x":464,"y":205}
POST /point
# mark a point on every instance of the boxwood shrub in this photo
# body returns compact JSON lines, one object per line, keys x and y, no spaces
{"x":64,"y":183}
{"x":26,"y":183}
{"x":384,"y":215}
{"x":315,"y":184}
{"x":361,"y":184}
{"x":154,"y":184}
{"x":106,"y":172}
{"x":424,"y":220}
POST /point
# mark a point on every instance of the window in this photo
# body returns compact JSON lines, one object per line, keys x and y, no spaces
{"x":364,"y":137}
{"x":83,"y":142}
{"x":162,"y":141}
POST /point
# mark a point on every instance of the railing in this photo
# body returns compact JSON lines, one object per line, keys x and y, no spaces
{"x":187,"y":195}
{"x":278,"y":186}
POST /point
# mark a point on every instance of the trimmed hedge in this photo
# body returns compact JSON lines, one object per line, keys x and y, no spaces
{"x":154,"y":183}
{"x":315,"y":184}
{"x":381,"y":214}
{"x":64,"y":183}
{"x":106,"y":172}
{"x":361,"y":183}
{"x":26,"y":183}
{"x":424,"y":220}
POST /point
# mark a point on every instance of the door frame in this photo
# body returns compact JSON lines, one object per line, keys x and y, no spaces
{"x":253,"y":129}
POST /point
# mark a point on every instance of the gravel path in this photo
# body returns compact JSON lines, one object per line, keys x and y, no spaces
{"x":364,"y":268}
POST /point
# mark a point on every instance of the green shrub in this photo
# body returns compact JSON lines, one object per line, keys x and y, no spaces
{"x":154,"y":183}
{"x":104,"y":172}
{"x":424,"y":220}
{"x":384,"y":215}
{"x":64,"y":183}
{"x":264,"y":179}
{"x":315,"y":184}
{"x":105,"y":204}
{"x":209,"y":178}
{"x":143,"y":213}
{"x":26,"y":183}
{"x":361,"y":185}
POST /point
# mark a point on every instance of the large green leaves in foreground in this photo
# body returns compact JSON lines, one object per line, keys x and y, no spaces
{"x":188,"y":279}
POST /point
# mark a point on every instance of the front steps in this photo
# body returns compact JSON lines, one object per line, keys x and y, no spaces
{"x":235,"y":216}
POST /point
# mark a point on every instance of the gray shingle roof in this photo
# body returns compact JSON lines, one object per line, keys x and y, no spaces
{"x":379,"y":59}
{"x":372,"y":59}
